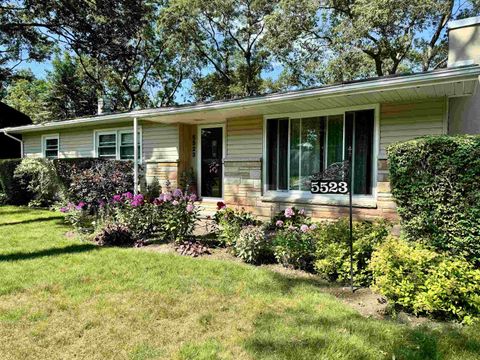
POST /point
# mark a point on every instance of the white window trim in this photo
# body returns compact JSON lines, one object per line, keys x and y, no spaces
{"x":118,"y":132}
{"x":300,"y":196}
{"x":49,"y":137}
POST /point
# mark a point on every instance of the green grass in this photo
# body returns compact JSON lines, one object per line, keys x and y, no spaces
{"x":62,"y":299}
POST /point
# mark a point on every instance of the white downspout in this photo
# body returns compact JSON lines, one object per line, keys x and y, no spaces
{"x":135,"y":155}
{"x":16,"y":139}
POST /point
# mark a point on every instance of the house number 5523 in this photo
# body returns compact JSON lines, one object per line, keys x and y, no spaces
{"x":328,"y":187}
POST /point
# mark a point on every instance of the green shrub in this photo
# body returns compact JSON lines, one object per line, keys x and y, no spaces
{"x":295,"y":247}
{"x":291,"y":216}
{"x":436,"y":182}
{"x":40,"y":179}
{"x":333,"y":251}
{"x":252,"y":245}
{"x":231,"y":221}
{"x":426,"y":282}
{"x":14,"y":192}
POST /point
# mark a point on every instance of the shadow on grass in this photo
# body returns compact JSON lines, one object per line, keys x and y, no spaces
{"x":304,"y":331}
{"x":72,"y":249}
{"x":34,"y":220}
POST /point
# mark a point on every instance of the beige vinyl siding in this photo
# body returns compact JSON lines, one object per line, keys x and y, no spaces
{"x":32,"y":145}
{"x":244,"y":137}
{"x":406,"y":121}
{"x":160,"y":142}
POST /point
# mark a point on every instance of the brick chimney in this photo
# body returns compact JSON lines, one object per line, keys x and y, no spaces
{"x":464,"y":42}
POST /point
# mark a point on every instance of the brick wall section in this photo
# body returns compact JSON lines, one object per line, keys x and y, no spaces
{"x":163,"y":171}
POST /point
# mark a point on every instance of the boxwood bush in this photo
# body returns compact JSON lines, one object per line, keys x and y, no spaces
{"x":436,"y":185}
{"x":14,"y":192}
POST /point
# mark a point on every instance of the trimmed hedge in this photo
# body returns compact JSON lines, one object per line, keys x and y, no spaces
{"x":15,"y":192}
{"x":436,"y":185}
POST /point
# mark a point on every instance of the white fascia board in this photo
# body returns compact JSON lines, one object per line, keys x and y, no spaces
{"x":361,"y":87}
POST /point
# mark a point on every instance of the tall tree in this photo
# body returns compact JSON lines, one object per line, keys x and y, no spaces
{"x":226,"y":37}
{"x":350,"y":39}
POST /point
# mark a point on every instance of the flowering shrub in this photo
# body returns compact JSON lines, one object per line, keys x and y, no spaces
{"x":290,"y":217}
{"x":294,"y":246}
{"x":80,"y":217}
{"x":252,"y":245}
{"x":231,"y":222}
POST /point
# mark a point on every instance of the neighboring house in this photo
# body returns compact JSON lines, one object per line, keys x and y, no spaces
{"x":258,"y":152}
{"x":11,"y":148}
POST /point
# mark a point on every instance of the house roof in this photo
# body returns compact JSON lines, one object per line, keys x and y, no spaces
{"x":451,"y":82}
{"x":12,"y":117}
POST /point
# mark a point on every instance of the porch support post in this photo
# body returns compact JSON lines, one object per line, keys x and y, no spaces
{"x":135,"y":156}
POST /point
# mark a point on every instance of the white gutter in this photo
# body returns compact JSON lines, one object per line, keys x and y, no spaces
{"x":362,"y":87}
{"x":14,"y":138}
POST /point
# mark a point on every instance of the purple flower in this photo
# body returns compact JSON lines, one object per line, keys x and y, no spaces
{"x":190,"y":208}
{"x":193,"y":197}
{"x":279,"y":223}
{"x":175,"y":202}
{"x":101,"y":203}
{"x":137,"y":200}
{"x":313,"y":226}
{"x":128,"y":195}
{"x":80,"y":205}
{"x":158,"y":201}
{"x":177,"y":193}
{"x":117,"y":198}
{"x":64,"y":209}
{"x":167,"y":197}
{"x":289,"y":212}
{"x":304,"y":228}
{"x":301,"y":211}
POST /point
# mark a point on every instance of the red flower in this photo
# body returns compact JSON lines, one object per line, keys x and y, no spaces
{"x":221,"y":205}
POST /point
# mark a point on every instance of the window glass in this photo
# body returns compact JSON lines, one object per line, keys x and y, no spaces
{"x":51,"y":148}
{"x":335,"y":139}
{"x":126,"y":146}
{"x":107,"y":146}
{"x":309,"y":145}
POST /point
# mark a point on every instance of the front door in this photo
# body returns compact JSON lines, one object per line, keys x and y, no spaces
{"x":211,"y":162}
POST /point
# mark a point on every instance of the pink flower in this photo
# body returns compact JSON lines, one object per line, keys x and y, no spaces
{"x":279,"y":223}
{"x":304,"y":228}
{"x":167,"y":197}
{"x":128,"y":195}
{"x":301,"y":211}
{"x":289,"y":212}
{"x":177,"y":193}
{"x":80,"y":205}
{"x":193,"y":197}
{"x":190,"y":208}
{"x":64,"y":209}
{"x":175,"y":202}
{"x":313,"y":226}
{"x":158,"y":201}
{"x":117,"y":198}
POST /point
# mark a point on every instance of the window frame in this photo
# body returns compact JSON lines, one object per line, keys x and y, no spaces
{"x":44,"y":144}
{"x":117,"y":132}
{"x":328,"y":199}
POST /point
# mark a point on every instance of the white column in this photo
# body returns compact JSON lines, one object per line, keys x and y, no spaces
{"x":135,"y":155}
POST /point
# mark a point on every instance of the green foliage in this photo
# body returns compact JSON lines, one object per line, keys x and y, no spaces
{"x":436,"y":182}
{"x":291,"y":216}
{"x":231,"y":222}
{"x":294,"y":248}
{"x":333,"y":251}
{"x":40,"y":179}
{"x":153,"y":189}
{"x":144,"y":221}
{"x":427,"y":282}
{"x":14,"y":192}
{"x":252,"y":245}
{"x":114,"y":235}
{"x":94,"y":181}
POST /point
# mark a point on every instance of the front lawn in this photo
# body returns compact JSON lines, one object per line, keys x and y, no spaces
{"x":61,"y":298}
